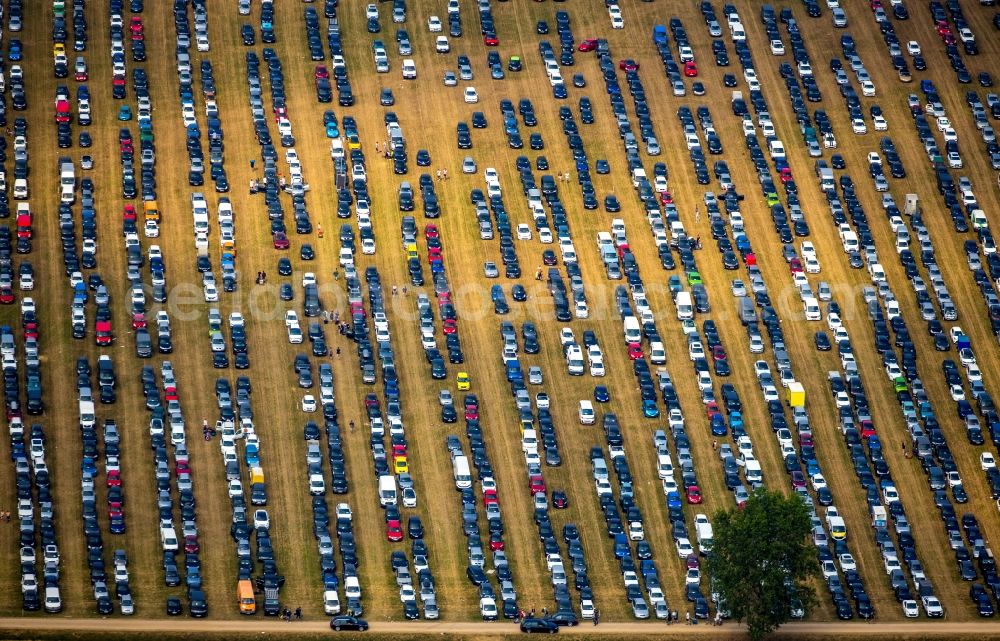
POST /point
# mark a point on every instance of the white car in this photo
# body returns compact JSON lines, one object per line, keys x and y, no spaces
{"x":879,"y":123}
{"x":847,"y":562}
{"x":777,"y":48}
{"x":858,"y":126}
{"x":309,"y":403}
{"x":434,"y":24}
{"x":211,"y":293}
{"x":913,"y":48}
{"x":617,"y":22}
{"x":441,"y":44}
{"x":261,"y":520}
{"x":910,"y":609}
{"x":933,"y":607}
{"x":987,"y":462}
{"x":470,"y":95}
{"x":684,"y":549}
{"x":523,"y":232}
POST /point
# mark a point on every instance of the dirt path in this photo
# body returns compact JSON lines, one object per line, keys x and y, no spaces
{"x":923,"y":628}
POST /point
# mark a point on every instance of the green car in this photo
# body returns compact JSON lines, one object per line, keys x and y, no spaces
{"x":772,"y":199}
{"x":899,"y":383}
{"x":694,"y":278}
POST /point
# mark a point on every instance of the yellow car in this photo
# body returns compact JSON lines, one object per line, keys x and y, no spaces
{"x":463,"y":381}
{"x":400,"y":465}
{"x":58,"y":49}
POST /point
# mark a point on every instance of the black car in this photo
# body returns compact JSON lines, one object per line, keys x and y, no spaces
{"x":345,"y":622}
{"x":173,"y":606}
{"x":822,"y":342}
{"x":249,"y":38}
{"x":535,"y":624}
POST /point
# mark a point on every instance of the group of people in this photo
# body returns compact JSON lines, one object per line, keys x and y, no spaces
{"x":442,"y":174}
{"x":5,"y":516}
{"x":384,"y":149}
{"x":261,"y":278}
{"x":287,"y":614}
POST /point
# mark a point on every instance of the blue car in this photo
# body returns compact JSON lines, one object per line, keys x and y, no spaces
{"x":718,"y":425}
{"x":601,"y":394}
{"x":650,"y":409}
{"x":124,"y":113}
{"x":331,"y":130}
{"x":16,"y":50}
{"x":674,"y":500}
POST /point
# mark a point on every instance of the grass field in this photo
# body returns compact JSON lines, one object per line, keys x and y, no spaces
{"x":428,"y":113}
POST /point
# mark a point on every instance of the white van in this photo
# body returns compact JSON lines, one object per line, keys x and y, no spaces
{"x":352,"y":587}
{"x":331,"y":602}
{"x":777,"y":149}
{"x":587,"y":415}
{"x":704,"y":534}
{"x":753,"y":471}
{"x":87,"y":418}
{"x":811,"y":307}
{"x":460,"y":472}
{"x":630,"y":327}
{"x":685,"y":310}
{"x":387,"y":490}
{"x":20,"y":189}
{"x":168,"y":539}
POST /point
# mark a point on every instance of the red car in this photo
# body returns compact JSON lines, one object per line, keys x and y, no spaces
{"x":496,"y":542}
{"x":785,"y":174}
{"x":191,"y":544}
{"x":450,"y":326}
{"x":719,"y":353}
{"x":690,"y":69}
{"x":798,"y":479}
{"x":321,"y":71}
{"x":536,"y":484}
{"x":867,"y":428}
{"x":490,"y":497}
{"x":128,"y":213}
{"x":138,"y":321}
{"x":431,"y":231}
{"x":471,"y":412}
{"x":666,"y":197}
{"x":114,"y":478}
{"x":795,"y":265}
{"x":80,"y":76}
{"x":393,"y":531}
{"x":280,"y":240}
{"x":628,"y":65}
{"x":491,"y":40}
{"x":694,"y":495}
{"x":711,"y":409}
{"x":6,"y":295}
{"x":634,"y":351}
{"x":588,"y":45}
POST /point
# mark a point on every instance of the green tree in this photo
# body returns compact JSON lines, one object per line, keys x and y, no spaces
{"x":762,"y":557}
